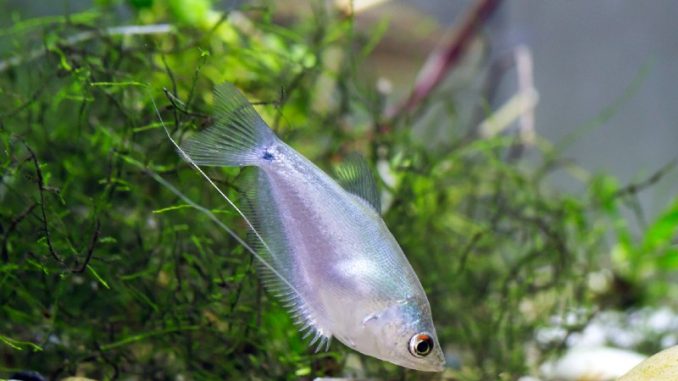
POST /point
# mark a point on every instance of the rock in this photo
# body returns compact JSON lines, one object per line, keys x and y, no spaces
{"x":663,"y":366}
{"x":591,"y":364}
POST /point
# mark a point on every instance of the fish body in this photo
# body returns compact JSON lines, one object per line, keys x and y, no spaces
{"x":324,"y":248}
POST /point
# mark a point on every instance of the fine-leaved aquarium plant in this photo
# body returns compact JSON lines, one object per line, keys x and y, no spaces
{"x":106,"y":271}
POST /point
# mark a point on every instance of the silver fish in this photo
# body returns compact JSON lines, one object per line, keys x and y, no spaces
{"x":324,"y":249}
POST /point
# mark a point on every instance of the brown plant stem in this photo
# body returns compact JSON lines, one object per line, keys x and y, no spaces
{"x":442,"y":60}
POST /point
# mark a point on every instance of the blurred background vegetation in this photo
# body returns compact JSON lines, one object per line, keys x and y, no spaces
{"x":106,"y":274}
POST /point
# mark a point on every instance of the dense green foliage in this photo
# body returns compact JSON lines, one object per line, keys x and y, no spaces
{"x":105,"y":272}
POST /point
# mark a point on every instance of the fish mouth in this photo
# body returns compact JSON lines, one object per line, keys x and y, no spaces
{"x":437,"y":367}
{"x":435,"y":364}
{"x":433,"y":368}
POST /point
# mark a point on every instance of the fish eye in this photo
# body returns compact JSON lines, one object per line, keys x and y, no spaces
{"x":421,"y":344}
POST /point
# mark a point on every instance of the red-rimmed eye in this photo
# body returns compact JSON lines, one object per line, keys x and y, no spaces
{"x":421,"y":344}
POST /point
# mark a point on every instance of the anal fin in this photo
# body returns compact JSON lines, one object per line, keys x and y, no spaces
{"x":266,"y":219}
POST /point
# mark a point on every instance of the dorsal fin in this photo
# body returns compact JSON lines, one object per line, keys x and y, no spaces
{"x":356,"y":177}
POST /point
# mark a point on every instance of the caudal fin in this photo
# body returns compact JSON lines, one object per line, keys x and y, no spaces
{"x":238,"y":137}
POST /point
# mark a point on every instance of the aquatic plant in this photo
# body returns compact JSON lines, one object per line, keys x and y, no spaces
{"x":105,"y":272}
